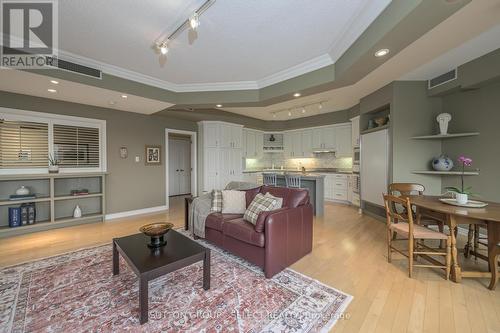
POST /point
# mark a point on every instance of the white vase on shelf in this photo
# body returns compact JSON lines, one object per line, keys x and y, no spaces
{"x":77,"y":212}
{"x":23,"y":190}
{"x":443,"y":119}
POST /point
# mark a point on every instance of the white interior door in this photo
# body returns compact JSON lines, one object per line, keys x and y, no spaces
{"x":184,"y":167}
{"x":173,"y":167}
{"x":179,"y":166}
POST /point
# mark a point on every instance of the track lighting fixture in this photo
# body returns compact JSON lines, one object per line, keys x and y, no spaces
{"x":303,"y":109}
{"x":163,"y":47}
{"x":194,"y":21}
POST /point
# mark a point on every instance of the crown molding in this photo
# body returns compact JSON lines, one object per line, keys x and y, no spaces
{"x":300,"y":69}
{"x":297,"y":70}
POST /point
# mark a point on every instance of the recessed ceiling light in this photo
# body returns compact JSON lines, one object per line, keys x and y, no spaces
{"x":51,"y":90}
{"x":54,"y":81}
{"x":381,"y":53}
{"x":124,"y":96}
{"x":219,"y":105}
{"x":296,"y":95}
{"x":111,"y":102}
{"x":289,"y":113}
{"x":320,"y":105}
{"x":303,"y":110}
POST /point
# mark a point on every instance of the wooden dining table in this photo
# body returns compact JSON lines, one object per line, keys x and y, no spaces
{"x":455,"y":216}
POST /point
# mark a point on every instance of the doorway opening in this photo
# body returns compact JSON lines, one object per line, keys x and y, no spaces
{"x":180,"y":166}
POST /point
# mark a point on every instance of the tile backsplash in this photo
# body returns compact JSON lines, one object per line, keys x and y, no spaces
{"x":325,"y":160}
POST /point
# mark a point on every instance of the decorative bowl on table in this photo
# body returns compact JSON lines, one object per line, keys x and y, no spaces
{"x":156,"y":231}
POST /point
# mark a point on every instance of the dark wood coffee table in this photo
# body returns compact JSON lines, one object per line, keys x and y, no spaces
{"x":179,"y":252}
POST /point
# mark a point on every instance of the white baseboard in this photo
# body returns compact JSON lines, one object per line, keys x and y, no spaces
{"x":136,"y":212}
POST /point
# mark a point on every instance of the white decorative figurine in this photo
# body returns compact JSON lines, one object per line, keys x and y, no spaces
{"x":77,"y":212}
{"x":443,"y":119}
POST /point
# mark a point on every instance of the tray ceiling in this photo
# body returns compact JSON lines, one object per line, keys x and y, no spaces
{"x":240,"y":44}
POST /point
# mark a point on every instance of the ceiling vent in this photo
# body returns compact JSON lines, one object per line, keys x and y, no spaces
{"x":443,"y":78}
{"x":75,"y":68}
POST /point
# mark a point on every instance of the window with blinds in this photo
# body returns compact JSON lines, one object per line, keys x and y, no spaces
{"x":23,"y":145}
{"x":76,"y":147}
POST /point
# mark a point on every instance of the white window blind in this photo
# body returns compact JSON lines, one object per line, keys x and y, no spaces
{"x":23,"y":144}
{"x":76,"y":147}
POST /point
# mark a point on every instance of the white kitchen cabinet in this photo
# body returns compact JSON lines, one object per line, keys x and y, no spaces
{"x":336,"y":187}
{"x":221,"y":151}
{"x":307,"y":149}
{"x":259,"y":144}
{"x":252,"y":144}
{"x":297,"y":144}
{"x":343,"y":141}
{"x":329,"y":179}
{"x":211,"y":135}
{"x":355,"y":131}
{"x":288,"y":145}
{"x":323,"y":138}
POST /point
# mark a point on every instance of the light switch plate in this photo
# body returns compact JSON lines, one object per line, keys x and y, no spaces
{"x":137,"y":159}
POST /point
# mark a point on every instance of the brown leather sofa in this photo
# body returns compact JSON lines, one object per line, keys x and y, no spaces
{"x":279,"y":238}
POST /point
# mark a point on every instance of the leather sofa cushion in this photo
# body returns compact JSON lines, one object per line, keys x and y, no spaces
{"x":216,"y":220}
{"x":292,"y":197}
{"x":243,"y":231}
{"x":261,"y":220}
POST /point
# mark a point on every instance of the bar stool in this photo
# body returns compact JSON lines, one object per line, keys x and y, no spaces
{"x":292,"y":181}
{"x":270,"y":179}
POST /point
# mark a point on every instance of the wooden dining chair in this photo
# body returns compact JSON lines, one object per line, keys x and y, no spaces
{"x":426,"y":218}
{"x":412,"y":232}
{"x":270,"y":179}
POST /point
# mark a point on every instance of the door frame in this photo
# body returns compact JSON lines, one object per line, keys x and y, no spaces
{"x":194,"y":165}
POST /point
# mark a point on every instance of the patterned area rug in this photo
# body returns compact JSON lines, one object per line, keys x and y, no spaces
{"x":77,"y":292}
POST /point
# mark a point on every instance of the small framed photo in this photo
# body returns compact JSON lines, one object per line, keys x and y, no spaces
{"x":153,"y":155}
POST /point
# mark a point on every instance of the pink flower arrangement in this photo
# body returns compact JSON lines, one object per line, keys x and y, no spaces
{"x":465,"y":161}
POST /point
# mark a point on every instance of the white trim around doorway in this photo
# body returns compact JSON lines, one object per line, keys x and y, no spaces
{"x":194,"y":165}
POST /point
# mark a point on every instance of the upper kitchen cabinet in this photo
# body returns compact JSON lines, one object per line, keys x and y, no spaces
{"x":230,"y":135}
{"x":211,"y":135}
{"x":324,"y":138}
{"x":343,"y":139}
{"x":298,"y":144}
{"x":253,"y":142}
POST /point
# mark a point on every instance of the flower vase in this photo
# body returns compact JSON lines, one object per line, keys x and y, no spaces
{"x":461,"y":198}
{"x":53,"y":168}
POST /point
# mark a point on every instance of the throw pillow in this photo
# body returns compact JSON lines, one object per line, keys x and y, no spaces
{"x":260,"y":203}
{"x":216,"y":201}
{"x":279,"y":201}
{"x":233,"y":202}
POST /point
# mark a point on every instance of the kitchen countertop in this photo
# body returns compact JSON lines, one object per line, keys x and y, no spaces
{"x":311,"y":171}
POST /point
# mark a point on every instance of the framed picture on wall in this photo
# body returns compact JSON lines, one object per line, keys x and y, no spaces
{"x":153,"y":155}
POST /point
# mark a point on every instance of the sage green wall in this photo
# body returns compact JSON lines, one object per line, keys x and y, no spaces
{"x":476,"y":111}
{"x":130,"y":185}
{"x":413,"y":113}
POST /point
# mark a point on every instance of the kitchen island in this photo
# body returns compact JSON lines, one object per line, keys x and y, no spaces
{"x":314,"y":182}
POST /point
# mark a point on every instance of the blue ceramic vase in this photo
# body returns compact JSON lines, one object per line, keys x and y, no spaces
{"x":442,"y":163}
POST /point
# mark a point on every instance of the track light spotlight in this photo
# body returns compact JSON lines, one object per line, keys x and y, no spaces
{"x":194,"y":21}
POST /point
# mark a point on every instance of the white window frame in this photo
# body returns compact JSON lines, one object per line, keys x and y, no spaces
{"x":51,"y":119}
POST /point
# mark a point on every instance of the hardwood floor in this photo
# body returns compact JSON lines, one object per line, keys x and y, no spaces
{"x":349,"y":254}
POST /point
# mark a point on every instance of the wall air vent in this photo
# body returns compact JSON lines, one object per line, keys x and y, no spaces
{"x":75,"y":68}
{"x":443,"y":78}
